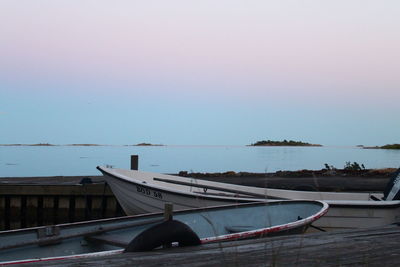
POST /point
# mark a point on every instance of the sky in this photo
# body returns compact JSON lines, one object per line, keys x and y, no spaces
{"x":199,"y":72}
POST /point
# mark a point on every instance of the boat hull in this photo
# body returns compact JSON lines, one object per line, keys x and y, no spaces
{"x":215,"y":224}
{"x":347,"y":215}
{"x":357,"y":210}
{"x":137,"y":198}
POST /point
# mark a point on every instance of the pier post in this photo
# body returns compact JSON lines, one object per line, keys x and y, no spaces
{"x":134,"y":162}
{"x":168,"y":207}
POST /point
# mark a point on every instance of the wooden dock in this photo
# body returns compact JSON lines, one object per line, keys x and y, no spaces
{"x":364,"y":247}
{"x":29,"y":202}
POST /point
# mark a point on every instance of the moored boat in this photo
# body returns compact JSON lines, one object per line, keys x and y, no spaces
{"x":141,"y":232}
{"x":140,"y":192}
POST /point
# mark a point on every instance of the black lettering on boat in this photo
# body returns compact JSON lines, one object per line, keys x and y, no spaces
{"x":140,"y":189}
{"x":149,"y":192}
{"x":157,"y":194}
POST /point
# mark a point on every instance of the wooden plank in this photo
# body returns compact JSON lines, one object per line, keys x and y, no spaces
{"x":63,"y":209}
{"x":362,"y":247}
{"x":96,"y":207}
{"x":2,"y":212}
{"x":80,"y":208}
{"x":48,"y":207}
{"x":23,"y":214}
{"x":31,"y":211}
{"x":15,"y":212}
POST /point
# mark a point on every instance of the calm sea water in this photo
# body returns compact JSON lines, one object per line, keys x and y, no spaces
{"x":81,"y":160}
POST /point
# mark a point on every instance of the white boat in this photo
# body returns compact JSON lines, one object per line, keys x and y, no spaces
{"x":140,"y":192}
{"x":149,"y":231}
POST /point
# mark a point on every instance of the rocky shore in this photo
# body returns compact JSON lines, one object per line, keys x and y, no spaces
{"x":337,"y":180}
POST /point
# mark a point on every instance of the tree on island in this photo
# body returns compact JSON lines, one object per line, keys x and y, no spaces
{"x":392,"y":146}
{"x":147,"y":144}
{"x":282,"y":143}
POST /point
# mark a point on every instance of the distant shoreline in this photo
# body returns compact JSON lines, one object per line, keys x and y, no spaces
{"x":259,"y":144}
{"x":47,"y":144}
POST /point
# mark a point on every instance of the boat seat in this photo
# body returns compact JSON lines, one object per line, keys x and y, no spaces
{"x":374,"y":198}
{"x":108,"y":239}
{"x":239,"y":228}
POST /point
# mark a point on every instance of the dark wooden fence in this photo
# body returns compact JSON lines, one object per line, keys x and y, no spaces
{"x":24,"y":206}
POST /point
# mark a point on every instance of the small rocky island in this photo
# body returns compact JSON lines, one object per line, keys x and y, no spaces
{"x":148,"y":144}
{"x":39,"y":144}
{"x":391,"y":146}
{"x":83,"y":145}
{"x":282,"y":143}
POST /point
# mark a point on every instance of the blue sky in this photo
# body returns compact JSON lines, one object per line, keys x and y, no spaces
{"x":204,"y":73}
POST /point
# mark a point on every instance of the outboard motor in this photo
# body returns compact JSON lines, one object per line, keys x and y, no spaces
{"x":392,"y":191}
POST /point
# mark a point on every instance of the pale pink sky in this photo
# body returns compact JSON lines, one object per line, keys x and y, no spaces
{"x":307,"y":54}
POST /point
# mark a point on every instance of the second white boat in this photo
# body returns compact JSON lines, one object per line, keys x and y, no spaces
{"x":142,"y":192}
